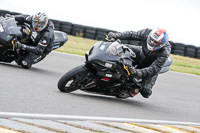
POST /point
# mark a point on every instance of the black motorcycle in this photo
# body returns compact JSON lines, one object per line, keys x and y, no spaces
{"x":10,"y":31}
{"x":105,"y":71}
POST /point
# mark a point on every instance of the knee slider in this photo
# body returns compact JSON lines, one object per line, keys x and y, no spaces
{"x":25,"y":64}
{"x":146,"y":92}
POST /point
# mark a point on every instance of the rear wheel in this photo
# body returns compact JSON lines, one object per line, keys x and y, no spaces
{"x":72,"y":80}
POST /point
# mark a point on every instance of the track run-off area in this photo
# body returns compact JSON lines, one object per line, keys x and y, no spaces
{"x":31,"y":92}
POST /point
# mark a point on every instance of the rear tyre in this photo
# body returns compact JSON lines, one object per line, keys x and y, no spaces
{"x":71,"y":80}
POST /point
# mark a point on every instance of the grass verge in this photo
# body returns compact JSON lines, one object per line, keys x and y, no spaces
{"x":79,"y":45}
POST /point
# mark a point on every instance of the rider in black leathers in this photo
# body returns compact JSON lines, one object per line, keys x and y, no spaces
{"x":151,"y":55}
{"x":42,"y":38}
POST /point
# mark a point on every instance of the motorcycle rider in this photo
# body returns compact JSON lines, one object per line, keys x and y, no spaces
{"x":151,"y":55}
{"x":42,"y":38}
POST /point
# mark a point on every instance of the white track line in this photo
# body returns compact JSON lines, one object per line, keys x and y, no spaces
{"x":70,"y":117}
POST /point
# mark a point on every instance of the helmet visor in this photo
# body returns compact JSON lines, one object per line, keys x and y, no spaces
{"x":37,"y":26}
{"x":153,"y":43}
{"x":38,"y":23}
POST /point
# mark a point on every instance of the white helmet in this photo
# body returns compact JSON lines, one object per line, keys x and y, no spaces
{"x":39,"y":21}
{"x":157,"y":39}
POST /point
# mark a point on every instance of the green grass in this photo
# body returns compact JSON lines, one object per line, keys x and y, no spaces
{"x":79,"y":45}
{"x":185,"y":64}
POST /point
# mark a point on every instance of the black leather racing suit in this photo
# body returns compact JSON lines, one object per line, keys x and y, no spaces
{"x":42,"y":42}
{"x":149,"y":62}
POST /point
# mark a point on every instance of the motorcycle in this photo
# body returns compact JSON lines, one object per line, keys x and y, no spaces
{"x":10,"y":31}
{"x":105,"y":71}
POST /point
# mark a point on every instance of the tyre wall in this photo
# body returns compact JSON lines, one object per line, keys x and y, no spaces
{"x":100,"y":33}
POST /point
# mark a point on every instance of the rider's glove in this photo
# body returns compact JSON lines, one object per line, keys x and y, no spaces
{"x":18,"y":45}
{"x":133,"y":71}
{"x":111,"y":36}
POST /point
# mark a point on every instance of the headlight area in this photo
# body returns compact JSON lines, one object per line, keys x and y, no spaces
{"x":106,"y":70}
{"x":104,"y":65}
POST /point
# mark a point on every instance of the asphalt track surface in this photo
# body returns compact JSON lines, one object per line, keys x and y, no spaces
{"x":175,"y":97}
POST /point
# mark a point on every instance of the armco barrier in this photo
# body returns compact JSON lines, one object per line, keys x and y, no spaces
{"x":99,"y":34}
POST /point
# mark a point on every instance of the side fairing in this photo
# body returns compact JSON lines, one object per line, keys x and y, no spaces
{"x":166,"y":66}
{"x":60,"y":39}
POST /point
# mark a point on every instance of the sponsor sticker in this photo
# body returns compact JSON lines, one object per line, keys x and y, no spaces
{"x":8,"y":36}
{"x":44,"y":41}
{"x":108,"y":65}
{"x":56,"y":36}
{"x":108,"y":75}
{"x":54,"y":47}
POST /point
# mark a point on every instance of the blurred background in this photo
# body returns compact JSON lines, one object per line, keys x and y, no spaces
{"x":181,"y":18}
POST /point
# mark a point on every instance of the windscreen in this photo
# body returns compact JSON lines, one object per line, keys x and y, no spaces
{"x":115,"y":49}
{"x":9,"y":26}
{"x":122,"y":51}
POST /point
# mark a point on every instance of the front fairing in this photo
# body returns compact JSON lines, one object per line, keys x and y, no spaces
{"x":98,"y":52}
{"x":108,"y":59}
{"x":9,"y":26}
{"x":111,"y":52}
{"x":8,"y":30}
{"x":166,"y":67}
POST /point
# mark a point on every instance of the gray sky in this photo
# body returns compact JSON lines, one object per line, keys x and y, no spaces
{"x":181,"y":18}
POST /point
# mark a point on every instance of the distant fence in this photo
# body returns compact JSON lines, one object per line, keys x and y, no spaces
{"x":99,"y":34}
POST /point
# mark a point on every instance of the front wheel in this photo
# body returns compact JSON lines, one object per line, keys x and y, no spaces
{"x":71,"y":80}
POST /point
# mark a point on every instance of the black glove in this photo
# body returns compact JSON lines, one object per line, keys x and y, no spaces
{"x":133,"y":71}
{"x":18,"y":45}
{"x":111,"y":36}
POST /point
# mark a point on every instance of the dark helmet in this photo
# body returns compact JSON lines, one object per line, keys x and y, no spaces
{"x":40,"y":21}
{"x":157,"y":39}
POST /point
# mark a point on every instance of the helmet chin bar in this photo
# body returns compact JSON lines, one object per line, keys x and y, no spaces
{"x":150,"y":47}
{"x":38,"y":28}
{"x":153,"y":48}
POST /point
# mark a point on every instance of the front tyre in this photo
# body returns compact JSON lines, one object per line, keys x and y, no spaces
{"x":71,"y":80}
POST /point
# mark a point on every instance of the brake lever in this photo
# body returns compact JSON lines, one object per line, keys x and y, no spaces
{"x":125,"y":66}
